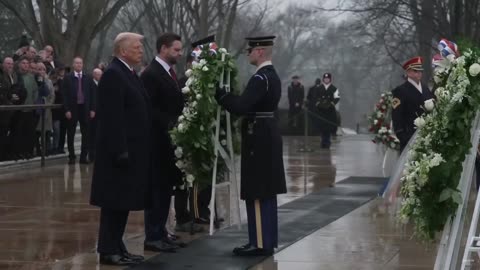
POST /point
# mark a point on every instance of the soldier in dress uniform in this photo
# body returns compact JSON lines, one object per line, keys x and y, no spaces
{"x":408,"y":101}
{"x":262,"y":171}
{"x":322,"y":98}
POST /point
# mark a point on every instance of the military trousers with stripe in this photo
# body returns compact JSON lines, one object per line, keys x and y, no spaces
{"x":263,"y":223}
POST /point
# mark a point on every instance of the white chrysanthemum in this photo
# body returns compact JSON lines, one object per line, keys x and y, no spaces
{"x":194,"y":104}
{"x":458,"y":97}
{"x":451,"y":57}
{"x":189,"y":81}
{"x":205,"y":68}
{"x":180,"y":164}
{"x":190,"y":178}
{"x":188,"y":73}
{"x":181,"y":118}
{"x":196,"y":65}
{"x":202,"y":128}
{"x":375,"y":121}
{"x":429,"y":105}
{"x":460,"y":61}
{"x":379,"y":114}
{"x":186,"y":90}
{"x":474,"y":69}
{"x":203,"y":62}
{"x":222,"y":50}
{"x":436,"y":160}
{"x":419,"y":122}
{"x":198,"y":96}
{"x":437,"y":79}
{"x":181,"y":127}
{"x":383,"y":130}
{"x":179,"y":152}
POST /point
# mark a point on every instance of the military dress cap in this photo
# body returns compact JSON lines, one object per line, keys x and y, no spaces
{"x":327,"y":75}
{"x":415,"y":63}
{"x":202,"y":41}
{"x":260,"y":41}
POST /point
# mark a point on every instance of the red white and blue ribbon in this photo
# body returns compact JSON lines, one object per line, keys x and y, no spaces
{"x":447,"y":47}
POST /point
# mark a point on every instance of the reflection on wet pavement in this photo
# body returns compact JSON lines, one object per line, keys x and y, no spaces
{"x":47,"y":223}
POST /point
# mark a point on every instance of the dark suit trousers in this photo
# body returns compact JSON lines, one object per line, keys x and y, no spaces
{"x":112,"y":227}
{"x":92,"y":130}
{"x":63,"y":133}
{"x":156,"y":217}
{"x":79,"y":116}
{"x":22,"y":133}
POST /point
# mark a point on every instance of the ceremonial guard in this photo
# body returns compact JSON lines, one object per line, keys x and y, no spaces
{"x":408,"y":101}
{"x":322,"y":98}
{"x":262,"y":170}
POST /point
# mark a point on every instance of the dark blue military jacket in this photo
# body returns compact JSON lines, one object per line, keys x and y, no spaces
{"x":262,"y":172}
{"x":408,"y":104}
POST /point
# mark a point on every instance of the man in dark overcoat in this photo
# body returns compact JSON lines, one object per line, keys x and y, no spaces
{"x":160,"y":80}
{"x":408,"y":101}
{"x":262,"y":170}
{"x":296,"y":94}
{"x":121,"y":180}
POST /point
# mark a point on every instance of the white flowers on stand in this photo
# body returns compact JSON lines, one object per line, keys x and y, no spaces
{"x":419,"y":122}
{"x":474,"y":69}
{"x":193,"y":131}
{"x":429,"y":105}
{"x":179,"y":152}
{"x":186,"y":90}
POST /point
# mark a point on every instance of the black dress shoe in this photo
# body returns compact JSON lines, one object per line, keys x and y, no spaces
{"x":253,"y":251}
{"x":159,"y":246}
{"x":175,"y":243}
{"x":116,"y":259}
{"x":246,"y":246}
{"x":133,"y":257}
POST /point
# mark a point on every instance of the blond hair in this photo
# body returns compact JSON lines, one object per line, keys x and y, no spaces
{"x":123,"y":40}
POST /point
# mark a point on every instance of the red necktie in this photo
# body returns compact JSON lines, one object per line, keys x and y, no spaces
{"x":173,"y":74}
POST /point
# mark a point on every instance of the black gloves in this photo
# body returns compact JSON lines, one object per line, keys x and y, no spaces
{"x":220,"y":93}
{"x":121,"y":160}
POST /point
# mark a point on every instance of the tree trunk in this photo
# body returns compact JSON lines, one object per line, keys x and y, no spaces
{"x":203,"y":23}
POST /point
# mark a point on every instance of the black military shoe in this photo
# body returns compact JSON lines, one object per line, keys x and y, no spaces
{"x":159,"y":246}
{"x":137,"y":258}
{"x":244,"y":247}
{"x":253,"y":251}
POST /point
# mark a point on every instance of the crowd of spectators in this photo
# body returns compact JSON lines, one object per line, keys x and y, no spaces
{"x":32,"y":76}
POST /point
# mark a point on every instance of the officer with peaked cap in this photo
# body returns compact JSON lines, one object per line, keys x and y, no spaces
{"x":262,"y":171}
{"x":322,"y":99}
{"x":408,"y":101}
